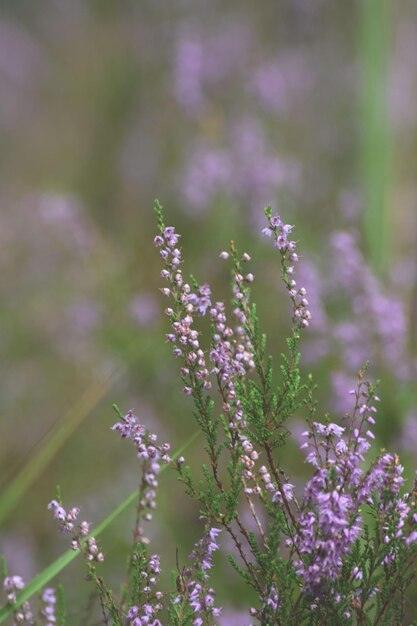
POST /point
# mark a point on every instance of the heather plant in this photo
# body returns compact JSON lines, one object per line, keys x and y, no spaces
{"x":340,"y":550}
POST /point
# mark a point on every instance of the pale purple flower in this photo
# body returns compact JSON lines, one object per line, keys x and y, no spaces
{"x":279,"y":83}
{"x":201,"y":596}
{"x":280,"y":233}
{"x":48,"y":609}
{"x":143,"y":310}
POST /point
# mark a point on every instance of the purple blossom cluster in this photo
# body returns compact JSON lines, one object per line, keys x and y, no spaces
{"x":11,"y":585}
{"x":262,"y":482}
{"x":256,"y":481}
{"x":184,"y":337}
{"x":331,"y":520}
{"x":269,"y":607}
{"x":228,"y":362}
{"x":327,"y":529}
{"x":233,"y":357}
{"x":146,"y":613}
{"x":280,"y":232}
{"x":141,"y":616}
{"x":24,"y":614}
{"x":201,"y":596}
{"x":272,"y":600}
{"x":150,"y":455}
{"x":67,"y":524}
{"x":48,"y":609}
{"x":232,"y":352}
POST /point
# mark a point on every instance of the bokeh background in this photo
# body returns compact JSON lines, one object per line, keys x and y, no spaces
{"x":217,"y":109}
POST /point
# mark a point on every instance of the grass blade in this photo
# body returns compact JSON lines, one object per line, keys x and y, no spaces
{"x":44,"y":577}
{"x":375,"y":140}
{"x":52,"y":443}
{"x":55,"y":439}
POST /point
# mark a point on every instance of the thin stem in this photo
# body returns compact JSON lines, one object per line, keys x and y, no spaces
{"x":254,"y":514}
{"x":392,"y":592}
{"x":247,"y":563}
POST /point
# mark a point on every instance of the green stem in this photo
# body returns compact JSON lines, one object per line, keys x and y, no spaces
{"x":375,"y":135}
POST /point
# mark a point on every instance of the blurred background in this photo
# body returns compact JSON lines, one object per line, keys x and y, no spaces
{"x":217,"y":110}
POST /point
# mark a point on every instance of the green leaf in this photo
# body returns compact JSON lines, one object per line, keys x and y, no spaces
{"x":159,"y":215}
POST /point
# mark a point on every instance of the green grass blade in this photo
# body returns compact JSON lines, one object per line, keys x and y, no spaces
{"x":52,"y":443}
{"x":55,"y":439}
{"x":375,"y":132}
{"x":44,"y":578}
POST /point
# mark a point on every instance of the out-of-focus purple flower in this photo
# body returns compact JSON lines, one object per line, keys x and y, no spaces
{"x":283,"y":82}
{"x":350,"y":205}
{"x":18,"y":548}
{"x":309,"y":277}
{"x":83,"y":317}
{"x":203,"y":61}
{"x":380,"y":331}
{"x":340,"y":383}
{"x":234,"y":618}
{"x":208,"y":173}
{"x":144,"y":310}
{"x":65,"y":215}
{"x":381,"y":322}
{"x":188,"y":72}
{"x":23,"y":66}
{"x":258,"y":171}
{"x":243,"y":167}
{"x":48,"y":609}
{"x":11,"y":585}
{"x":407,"y":440}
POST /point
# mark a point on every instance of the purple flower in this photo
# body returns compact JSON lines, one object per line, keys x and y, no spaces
{"x":201,"y":597}
{"x":49,"y":601}
{"x":280,"y":232}
{"x":330,"y":520}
